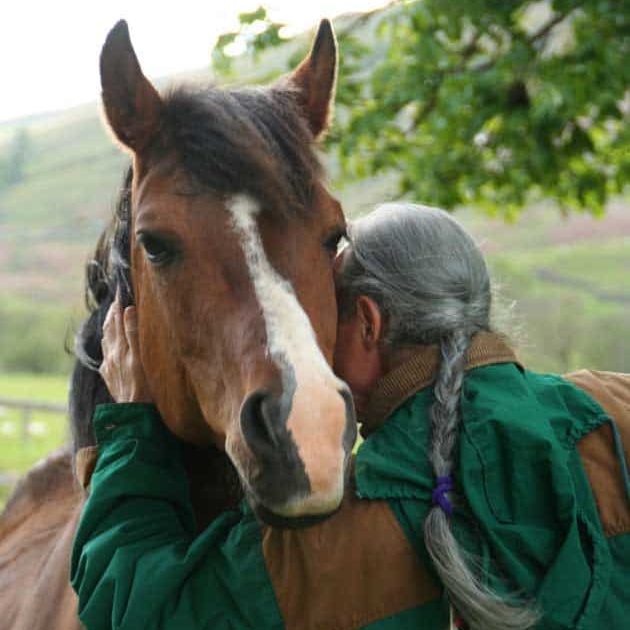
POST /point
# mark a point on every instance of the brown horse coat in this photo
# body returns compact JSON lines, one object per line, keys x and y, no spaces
{"x":36,"y":533}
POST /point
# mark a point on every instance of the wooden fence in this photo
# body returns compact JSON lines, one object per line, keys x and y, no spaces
{"x":26,"y":408}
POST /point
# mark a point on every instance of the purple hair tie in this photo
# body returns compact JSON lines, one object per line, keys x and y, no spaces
{"x":438,"y":496}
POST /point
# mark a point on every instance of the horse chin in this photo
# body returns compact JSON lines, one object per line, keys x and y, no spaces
{"x":293,"y":516}
{"x":289,"y":522}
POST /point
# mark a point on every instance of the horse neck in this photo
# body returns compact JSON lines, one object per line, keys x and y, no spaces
{"x":213,"y":482}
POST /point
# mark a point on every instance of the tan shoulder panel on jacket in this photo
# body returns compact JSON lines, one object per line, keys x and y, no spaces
{"x":84,"y":464}
{"x":351,"y":570}
{"x":612,"y":391}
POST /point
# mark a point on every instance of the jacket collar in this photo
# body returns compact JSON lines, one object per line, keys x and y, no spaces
{"x":418,"y":372}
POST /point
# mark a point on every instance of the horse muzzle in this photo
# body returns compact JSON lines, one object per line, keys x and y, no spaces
{"x":300,"y":449}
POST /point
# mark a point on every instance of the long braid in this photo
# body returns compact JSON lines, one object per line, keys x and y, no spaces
{"x":445,"y":410}
{"x":482,"y":609}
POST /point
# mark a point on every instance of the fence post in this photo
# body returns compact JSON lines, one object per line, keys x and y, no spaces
{"x":27,"y":414}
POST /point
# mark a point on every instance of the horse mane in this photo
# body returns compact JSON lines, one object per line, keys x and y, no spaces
{"x":248,"y":140}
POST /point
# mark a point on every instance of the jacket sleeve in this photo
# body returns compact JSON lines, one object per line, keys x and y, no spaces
{"x":136,"y":562}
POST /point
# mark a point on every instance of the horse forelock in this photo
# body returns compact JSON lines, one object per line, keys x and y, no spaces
{"x":248,"y":140}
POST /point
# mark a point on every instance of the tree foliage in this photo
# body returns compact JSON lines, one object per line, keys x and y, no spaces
{"x":256,"y":33}
{"x":493,"y":103}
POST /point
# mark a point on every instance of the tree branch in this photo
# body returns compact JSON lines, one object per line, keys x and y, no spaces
{"x":546,"y":28}
{"x":534,"y":37}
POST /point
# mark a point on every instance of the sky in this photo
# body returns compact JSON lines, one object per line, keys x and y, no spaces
{"x":49,"y":48}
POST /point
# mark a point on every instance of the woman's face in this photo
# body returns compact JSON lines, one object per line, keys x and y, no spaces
{"x":346,"y":359}
{"x":357,"y":357}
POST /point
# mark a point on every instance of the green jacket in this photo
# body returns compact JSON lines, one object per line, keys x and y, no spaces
{"x":530,"y":516}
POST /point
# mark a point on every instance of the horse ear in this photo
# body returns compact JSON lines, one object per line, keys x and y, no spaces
{"x":132,"y":105}
{"x":316,"y":78}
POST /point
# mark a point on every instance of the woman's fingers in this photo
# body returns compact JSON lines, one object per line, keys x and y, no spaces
{"x":121,"y":368}
{"x":115,"y":351}
{"x":108,"y":335}
{"x":130,"y":322}
{"x":108,"y":323}
{"x":114,"y":339}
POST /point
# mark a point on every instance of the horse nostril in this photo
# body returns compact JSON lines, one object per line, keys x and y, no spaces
{"x":277,"y":473}
{"x":259,"y":415}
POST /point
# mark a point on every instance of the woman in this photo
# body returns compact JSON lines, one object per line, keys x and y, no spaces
{"x":411,"y":285}
{"x":507,"y":485}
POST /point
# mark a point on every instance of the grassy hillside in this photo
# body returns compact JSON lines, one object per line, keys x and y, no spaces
{"x":50,"y":217}
{"x":571,"y":304}
{"x":563,"y":285}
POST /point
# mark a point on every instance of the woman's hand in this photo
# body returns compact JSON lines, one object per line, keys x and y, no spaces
{"x":121,"y":368}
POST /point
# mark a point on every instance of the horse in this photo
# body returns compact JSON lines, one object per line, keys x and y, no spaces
{"x":224,"y":239}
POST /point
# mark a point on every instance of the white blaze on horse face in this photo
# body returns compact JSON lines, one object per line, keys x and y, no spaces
{"x":318,"y":416}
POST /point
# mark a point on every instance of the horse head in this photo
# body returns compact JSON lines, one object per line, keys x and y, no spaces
{"x":230,"y":243}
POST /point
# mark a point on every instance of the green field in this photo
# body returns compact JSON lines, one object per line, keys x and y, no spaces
{"x":24,"y":441}
{"x":571,"y":304}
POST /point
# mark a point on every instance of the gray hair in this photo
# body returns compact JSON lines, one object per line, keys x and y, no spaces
{"x":431,"y":283}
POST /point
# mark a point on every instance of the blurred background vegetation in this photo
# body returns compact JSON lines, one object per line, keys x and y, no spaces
{"x":513,"y":114}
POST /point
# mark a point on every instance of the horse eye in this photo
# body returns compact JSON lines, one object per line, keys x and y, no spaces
{"x":159,"y":249}
{"x":333,"y":242}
